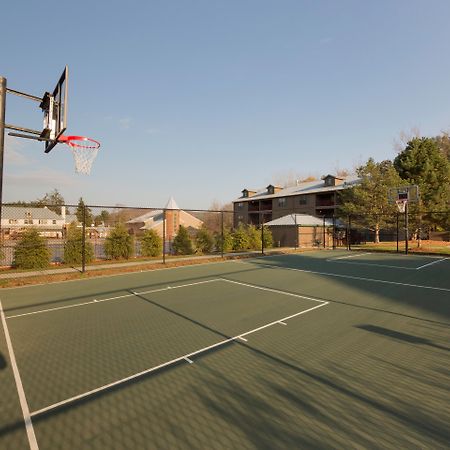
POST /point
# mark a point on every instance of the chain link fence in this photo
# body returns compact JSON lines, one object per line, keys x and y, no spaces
{"x":46,"y":236}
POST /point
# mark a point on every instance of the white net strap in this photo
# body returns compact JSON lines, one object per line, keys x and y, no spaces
{"x":401,"y":205}
{"x":84,"y":156}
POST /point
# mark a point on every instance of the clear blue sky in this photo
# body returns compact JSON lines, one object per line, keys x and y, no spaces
{"x":199,"y":99}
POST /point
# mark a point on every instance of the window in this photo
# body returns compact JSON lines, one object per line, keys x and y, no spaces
{"x":28,"y":221}
{"x":282,"y":202}
{"x":42,"y":222}
{"x":302,"y":200}
{"x":54,"y":221}
{"x":240,"y":205}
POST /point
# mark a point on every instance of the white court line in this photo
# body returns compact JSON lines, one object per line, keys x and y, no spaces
{"x":272,"y":290}
{"x":282,"y":323}
{"x":168,"y":363}
{"x":372,"y":264}
{"x":91,"y":302}
{"x":431,"y":263}
{"x":337,"y":275}
{"x":351,"y":256}
{"x":20,"y":391}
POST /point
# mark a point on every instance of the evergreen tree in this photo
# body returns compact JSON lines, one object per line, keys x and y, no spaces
{"x":73,"y":248}
{"x":240,"y":238}
{"x":422,"y":163}
{"x":226,"y":241}
{"x":88,"y":214}
{"x":31,"y":251}
{"x":151,"y":243}
{"x":54,"y":200}
{"x":204,"y":240}
{"x":368,"y":202}
{"x":254,"y":237}
{"x":182,"y":244}
{"x":119,"y":243}
{"x":267,"y":237}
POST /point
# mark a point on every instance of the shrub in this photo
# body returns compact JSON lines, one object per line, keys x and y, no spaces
{"x":267,"y":237}
{"x":119,"y":244}
{"x":182,"y":244}
{"x":227,"y":241}
{"x":151,"y":243}
{"x":31,"y":251}
{"x":254,"y":237}
{"x":240,"y":238}
{"x":73,"y":248}
{"x":204,"y":240}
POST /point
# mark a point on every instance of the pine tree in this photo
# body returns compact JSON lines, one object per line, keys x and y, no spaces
{"x":83,"y":211}
{"x":119,"y":243}
{"x":182,"y":244}
{"x":31,"y":251}
{"x":204,"y":240}
{"x":73,"y":248}
{"x":151,"y":243}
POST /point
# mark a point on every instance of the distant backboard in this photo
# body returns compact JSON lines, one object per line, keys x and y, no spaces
{"x":408,"y":193}
{"x":54,"y":106}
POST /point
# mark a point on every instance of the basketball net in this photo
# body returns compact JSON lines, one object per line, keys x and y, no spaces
{"x":84,"y":151}
{"x":401,"y":205}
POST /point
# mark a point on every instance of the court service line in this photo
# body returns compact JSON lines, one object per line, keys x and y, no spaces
{"x":91,"y":302}
{"x":272,"y":290}
{"x":351,"y":277}
{"x":373,"y":264}
{"x":186,"y":357}
{"x":351,"y":256}
{"x":431,"y":263}
{"x":20,"y":391}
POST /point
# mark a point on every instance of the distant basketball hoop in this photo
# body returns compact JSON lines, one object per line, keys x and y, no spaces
{"x":401,"y":205}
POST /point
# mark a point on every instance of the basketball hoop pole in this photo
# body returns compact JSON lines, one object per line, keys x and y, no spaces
{"x":406,"y":228}
{"x":2,"y":142}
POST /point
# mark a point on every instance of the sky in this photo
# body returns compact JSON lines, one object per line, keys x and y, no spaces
{"x":199,"y":99}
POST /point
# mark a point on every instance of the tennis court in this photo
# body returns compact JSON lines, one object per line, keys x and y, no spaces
{"x":327,"y":349}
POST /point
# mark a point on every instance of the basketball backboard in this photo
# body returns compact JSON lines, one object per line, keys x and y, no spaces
{"x":404,"y":193}
{"x":54,"y":106}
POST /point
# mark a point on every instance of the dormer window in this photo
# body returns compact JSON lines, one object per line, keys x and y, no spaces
{"x":330,"y":180}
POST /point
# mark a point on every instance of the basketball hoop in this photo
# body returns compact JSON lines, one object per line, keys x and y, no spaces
{"x":84,"y":151}
{"x":401,"y":205}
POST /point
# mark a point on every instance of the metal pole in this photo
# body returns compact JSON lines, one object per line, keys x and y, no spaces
{"x":164,"y":236}
{"x":349,"y":232}
{"x":324,"y":235}
{"x":334,"y":232}
{"x":397,"y":232}
{"x":2,"y":142}
{"x":222,"y":231}
{"x":83,"y":242}
{"x":406,"y":229}
{"x":261,"y":221}
{"x":296,"y":231}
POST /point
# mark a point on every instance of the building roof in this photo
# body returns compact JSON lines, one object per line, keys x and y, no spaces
{"x":171,"y":204}
{"x":308,"y":187}
{"x":301,"y":220}
{"x":21,"y":212}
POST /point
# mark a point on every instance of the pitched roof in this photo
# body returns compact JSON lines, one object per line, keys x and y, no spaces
{"x":308,"y":187}
{"x":20,"y":212}
{"x":171,"y":204}
{"x":301,"y":220}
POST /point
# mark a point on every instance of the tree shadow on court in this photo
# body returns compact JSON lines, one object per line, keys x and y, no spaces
{"x":3,"y":363}
{"x":401,"y":336}
{"x":366,"y":287}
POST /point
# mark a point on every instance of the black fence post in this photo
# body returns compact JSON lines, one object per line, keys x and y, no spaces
{"x":164,"y":236}
{"x":223,"y":234}
{"x":349,"y":232}
{"x":397,"y":231}
{"x":83,"y":240}
{"x":324,"y":233}
{"x":334,"y":232}
{"x":262,"y":233}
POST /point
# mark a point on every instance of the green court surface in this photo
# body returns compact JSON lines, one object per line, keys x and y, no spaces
{"x":329,"y":349}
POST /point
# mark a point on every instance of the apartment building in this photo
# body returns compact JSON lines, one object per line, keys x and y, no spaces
{"x":319,"y":198}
